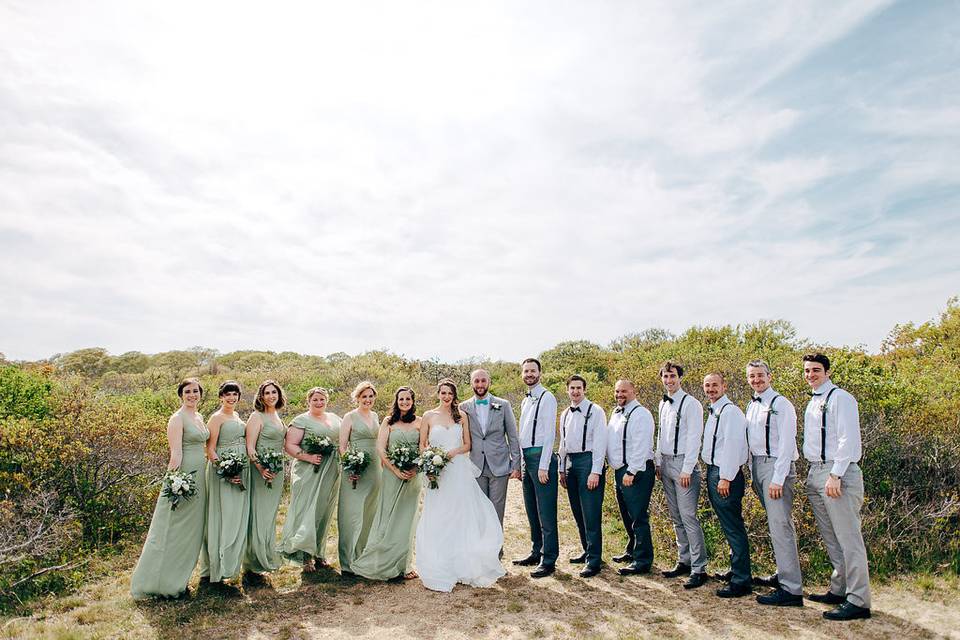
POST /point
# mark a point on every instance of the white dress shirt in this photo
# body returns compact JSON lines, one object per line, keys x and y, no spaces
{"x":546,"y":419}
{"x":572,"y":433}
{"x":483,"y":412}
{"x":691,"y":429}
{"x":639,"y":437}
{"x":725,"y":438}
{"x":843,"y":428}
{"x":783,"y":431}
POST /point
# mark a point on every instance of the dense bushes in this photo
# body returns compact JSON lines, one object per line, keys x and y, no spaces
{"x":82,"y":435}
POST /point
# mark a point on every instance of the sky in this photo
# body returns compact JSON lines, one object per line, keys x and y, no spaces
{"x":468,"y":180}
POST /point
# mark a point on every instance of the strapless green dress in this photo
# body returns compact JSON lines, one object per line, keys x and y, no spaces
{"x":357,"y":507}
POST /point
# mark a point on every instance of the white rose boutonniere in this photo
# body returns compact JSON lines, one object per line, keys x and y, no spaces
{"x":495,"y":406}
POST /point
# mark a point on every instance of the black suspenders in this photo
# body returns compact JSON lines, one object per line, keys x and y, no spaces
{"x":626,"y":422}
{"x":586,"y":421}
{"x":716,"y":428}
{"x":823,"y":427}
{"x":770,"y":413}
{"x":676,"y":432}
{"x":536,"y":415}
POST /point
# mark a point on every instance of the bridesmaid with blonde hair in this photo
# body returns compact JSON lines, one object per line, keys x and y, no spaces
{"x":313,"y":484}
{"x":358,"y":503}
{"x":228,"y":504}
{"x":173,"y":543}
{"x":389,"y":552}
{"x":264,"y":433}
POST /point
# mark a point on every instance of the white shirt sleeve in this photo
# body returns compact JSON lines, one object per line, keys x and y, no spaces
{"x":848,"y":433}
{"x":562,"y":451}
{"x":787,"y":446}
{"x":656,"y":452}
{"x":598,"y":444}
{"x":693,"y":421}
{"x":641,"y":442}
{"x":734,"y":432}
{"x":548,"y":422}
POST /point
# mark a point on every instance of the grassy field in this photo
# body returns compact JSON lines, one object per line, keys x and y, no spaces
{"x":607,"y":606}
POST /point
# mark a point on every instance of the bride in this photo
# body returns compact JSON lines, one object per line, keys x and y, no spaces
{"x":459,"y":536}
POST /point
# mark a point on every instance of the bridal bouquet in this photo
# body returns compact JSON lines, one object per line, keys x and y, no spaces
{"x":272,"y":461}
{"x":403,"y":457}
{"x":178,"y":486}
{"x":432,"y":460}
{"x":354,"y":461}
{"x":314,"y":444}
{"x":230,"y":465}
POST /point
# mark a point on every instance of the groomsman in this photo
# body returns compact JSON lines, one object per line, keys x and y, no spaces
{"x":583,"y":446}
{"x":724,"y":452}
{"x":772,"y":439}
{"x":496,"y":445}
{"x":678,"y":447}
{"x":831,"y":443}
{"x":630,"y":452}
{"x":538,"y":429}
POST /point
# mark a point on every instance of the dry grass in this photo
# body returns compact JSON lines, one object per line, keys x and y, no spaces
{"x":608,"y":606}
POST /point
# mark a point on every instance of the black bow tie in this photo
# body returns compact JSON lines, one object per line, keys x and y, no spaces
{"x":755,"y":399}
{"x":710,"y":410}
{"x":667,"y":398}
{"x":618,"y":410}
{"x":574,"y":408}
{"x":813,"y":393}
{"x":529,"y":395}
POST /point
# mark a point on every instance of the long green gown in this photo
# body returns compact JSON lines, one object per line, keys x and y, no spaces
{"x":313,"y":492}
{"x":389,"y":551}
{"x":228,"y":509}
{"x":173,"y":543}
{"x":261,"y":555}
{"x":358,"y":507}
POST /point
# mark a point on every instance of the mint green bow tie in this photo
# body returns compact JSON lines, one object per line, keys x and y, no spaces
{"x":484,"y":401}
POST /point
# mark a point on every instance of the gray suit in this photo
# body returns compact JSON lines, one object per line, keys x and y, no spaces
{"x":495,"y":448}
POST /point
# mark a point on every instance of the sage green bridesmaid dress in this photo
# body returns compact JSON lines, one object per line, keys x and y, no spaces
{"x":228,"y":508}
{"x":313,"y":493}
{"x":389,"y":551}
{"x":261,"y":555}
{"x":173,"y":543}
{"x":358,"y":507}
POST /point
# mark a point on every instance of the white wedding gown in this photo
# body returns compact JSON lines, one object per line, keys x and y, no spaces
{"x":459,"y":536}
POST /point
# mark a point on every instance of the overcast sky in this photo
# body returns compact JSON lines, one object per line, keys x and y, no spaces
{"x":458,"y":179}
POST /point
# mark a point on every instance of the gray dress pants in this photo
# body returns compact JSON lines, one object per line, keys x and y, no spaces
{"x":783,"y":535}
{"x":495,"y":488}
{"x":682,"y":504}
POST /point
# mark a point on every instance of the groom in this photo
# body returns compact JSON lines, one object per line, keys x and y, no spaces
{"x":495,"y":444}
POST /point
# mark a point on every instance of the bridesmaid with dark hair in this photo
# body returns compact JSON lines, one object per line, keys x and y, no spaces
{"x":264,"y":432}
{"x":314,"y":481}
{"x":389,"y":552}
{"x":358,"y":504}
{"x":173,"y":543}
{"x":228,"y":504}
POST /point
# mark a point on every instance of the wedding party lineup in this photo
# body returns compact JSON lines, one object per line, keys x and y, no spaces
{"x":421,"y":496}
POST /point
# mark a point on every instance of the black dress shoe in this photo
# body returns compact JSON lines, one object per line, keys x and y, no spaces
{"x":680,"y":570}
{"x":531,"y":560}
{"x":634,"y":570}
{"x":696,"y":580}
{"x":768,"y":581}
{"x":847,"y":611}
{"x":580,"y":559}
{"x":623,"y":557}
{"x":827,"y":598}
{"x":726,"y":576}
{"x":589,"y":571}
{"x":253,"y":579}
{"x":543,"y":571}
{"x":734,"y":591}
{"x":780,"y":598}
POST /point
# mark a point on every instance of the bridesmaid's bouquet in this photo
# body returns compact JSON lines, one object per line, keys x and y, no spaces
{"x":178,"y":486}
{"x":403,"y":457}
{"x":272,"y":461}
{"x":354,"y":461}
{"x":230,"y":465}
{"x":432,"y":460}
{"x":314,"y":444}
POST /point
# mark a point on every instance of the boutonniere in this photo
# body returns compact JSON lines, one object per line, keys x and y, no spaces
{"x":823,"y":407}
{"x":772,"y":411}
{"x":495,"y":406}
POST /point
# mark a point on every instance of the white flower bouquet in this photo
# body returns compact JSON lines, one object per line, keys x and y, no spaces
{"x":432,"y":460}
{"x":354,"y":461}
{"x":178,"y":486}
{"x":272,"y":461}
{"x":230,"y":465}
{"x":403,"y":457}
{"x":317,"y":445}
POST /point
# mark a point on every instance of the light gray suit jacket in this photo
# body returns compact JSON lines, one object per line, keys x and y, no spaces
{"x":496,"y":443}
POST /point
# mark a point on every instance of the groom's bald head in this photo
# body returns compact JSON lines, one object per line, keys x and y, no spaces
{"x":480,"y":382}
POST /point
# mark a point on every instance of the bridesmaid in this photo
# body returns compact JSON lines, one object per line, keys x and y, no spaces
{"x":265,"y":431}
{"x":358,"y":506}
{"x":173,"y":543}
{"x":228,"y":506}
{"x":313,"y":492}
{"x":389,"y":553}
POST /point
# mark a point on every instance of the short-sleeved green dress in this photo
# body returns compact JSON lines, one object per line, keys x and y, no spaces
{"x":389,"y":551}
{"x":313,"y":494}
{"x":173,"y":543}
{"x":262,"y":555}
{"x":358,"y":506}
